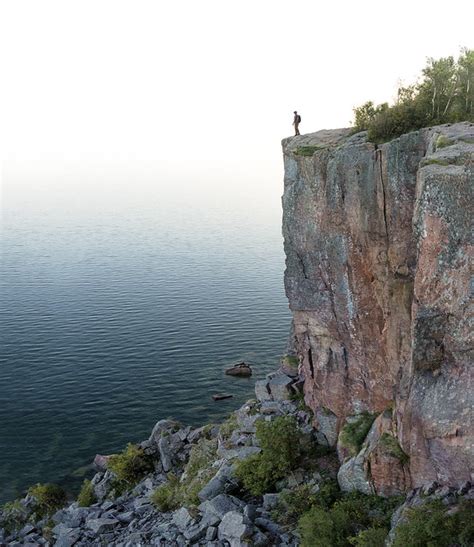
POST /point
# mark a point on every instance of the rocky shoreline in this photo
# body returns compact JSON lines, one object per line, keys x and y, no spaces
{"x":225,"y":512}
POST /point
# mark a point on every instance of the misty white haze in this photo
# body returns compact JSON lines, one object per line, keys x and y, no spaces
{"x":202,"y":90}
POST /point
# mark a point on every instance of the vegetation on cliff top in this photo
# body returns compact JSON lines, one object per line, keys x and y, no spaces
{"x":445,"y":94}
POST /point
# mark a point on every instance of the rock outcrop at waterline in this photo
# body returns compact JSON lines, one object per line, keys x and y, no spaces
{"x":379,"y":246}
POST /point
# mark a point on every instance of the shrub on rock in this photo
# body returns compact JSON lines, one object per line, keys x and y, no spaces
{"x":166,"y":497}
{"x":432,"y":524}
{"x":354,"y":432}
{"x":129,"y":467}
{"x":48,"y":499}
{"x":87,"y":495}
{"x":281,"y":444}
{"x":341,"y":525}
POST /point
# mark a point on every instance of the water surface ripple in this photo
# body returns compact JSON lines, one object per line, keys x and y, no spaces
{"x":116,"y":312}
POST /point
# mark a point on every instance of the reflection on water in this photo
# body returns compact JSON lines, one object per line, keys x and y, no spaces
{"x":121,"y":305}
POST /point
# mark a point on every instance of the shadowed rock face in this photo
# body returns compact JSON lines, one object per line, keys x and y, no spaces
{"x":378,"y":242}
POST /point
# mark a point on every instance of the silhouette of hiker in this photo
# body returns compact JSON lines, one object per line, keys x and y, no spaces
{"x":296,"y":122}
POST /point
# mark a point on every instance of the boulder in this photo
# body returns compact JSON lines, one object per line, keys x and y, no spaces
{"x":326,"y":426}
{"x":235,"y":528}
{"x":280,"y":387}
{"x":220,"y":505}
{"x":221,"y":483}
{"x":182,"y":519}
{"x":262,"y":391}
{"x":100,"y":462}
{"x":102,"y":525}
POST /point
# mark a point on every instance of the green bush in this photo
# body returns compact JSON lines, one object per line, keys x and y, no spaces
{"x":87,"y":495}
{"x":282,"y":448}
{"x":342,"y":523}
{"x":372,"y":537}
{"x":166,"y":497}
{"x":354,"y":433}
{"x":13,"y":516}
{"x":48,"y":499}
{"x":316,"y":529}
{"x":432,"y":525}
{"x":293,"y":503}
{"x":129,"y":467}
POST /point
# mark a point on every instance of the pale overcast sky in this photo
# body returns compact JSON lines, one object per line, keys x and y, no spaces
{"x":204,"y":88}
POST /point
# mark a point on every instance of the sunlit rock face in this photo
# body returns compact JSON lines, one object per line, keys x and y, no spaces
{"x":378,"y":241}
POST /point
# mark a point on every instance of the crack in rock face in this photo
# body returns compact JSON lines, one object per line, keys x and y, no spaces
{"x":379,"y":249}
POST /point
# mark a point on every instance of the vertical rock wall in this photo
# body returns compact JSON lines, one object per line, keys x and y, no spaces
{"x":379,"y":244}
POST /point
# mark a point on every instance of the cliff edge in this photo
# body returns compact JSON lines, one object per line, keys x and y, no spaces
{"x":378,"y":242}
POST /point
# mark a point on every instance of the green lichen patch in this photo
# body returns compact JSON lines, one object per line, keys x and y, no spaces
{"x":308,"y":151}
{"x":434,"y":161}
{"x":442,"y":142}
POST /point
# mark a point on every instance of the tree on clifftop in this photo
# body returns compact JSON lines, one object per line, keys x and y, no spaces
{"x":445,"y":94}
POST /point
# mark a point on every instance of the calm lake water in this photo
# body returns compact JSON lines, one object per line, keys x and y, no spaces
{"x":121,"y":304}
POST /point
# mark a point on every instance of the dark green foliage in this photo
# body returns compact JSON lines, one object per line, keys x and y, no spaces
{"x":432,"y":525}
{"x":372,"y":537}
{"x":293,"y":503}
{"x":282,"y":449}
{"x":13,"y":516}
{"x":129,"y":467}
{"x":390,"y":444}
{"x":48,"y":499}
{"x":354,"y":433}
{"x":444,"y":95}
{"x":87,"y":495}
{"x":292,"y":360}
{"x":434,"y":161}
{"x":341,"y":524}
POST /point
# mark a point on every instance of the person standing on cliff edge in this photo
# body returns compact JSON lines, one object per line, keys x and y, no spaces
{"x":296,"y":122}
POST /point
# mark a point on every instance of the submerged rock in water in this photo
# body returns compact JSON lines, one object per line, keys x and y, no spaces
{"x":222,"y":396}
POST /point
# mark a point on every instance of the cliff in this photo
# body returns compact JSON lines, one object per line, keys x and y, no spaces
{"x":378,"y":241}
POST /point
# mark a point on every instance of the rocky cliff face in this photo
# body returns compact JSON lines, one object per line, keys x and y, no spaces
{"x":379,"y":246}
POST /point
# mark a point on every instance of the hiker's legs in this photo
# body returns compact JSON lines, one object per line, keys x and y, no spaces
{"x":297,"y":131}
